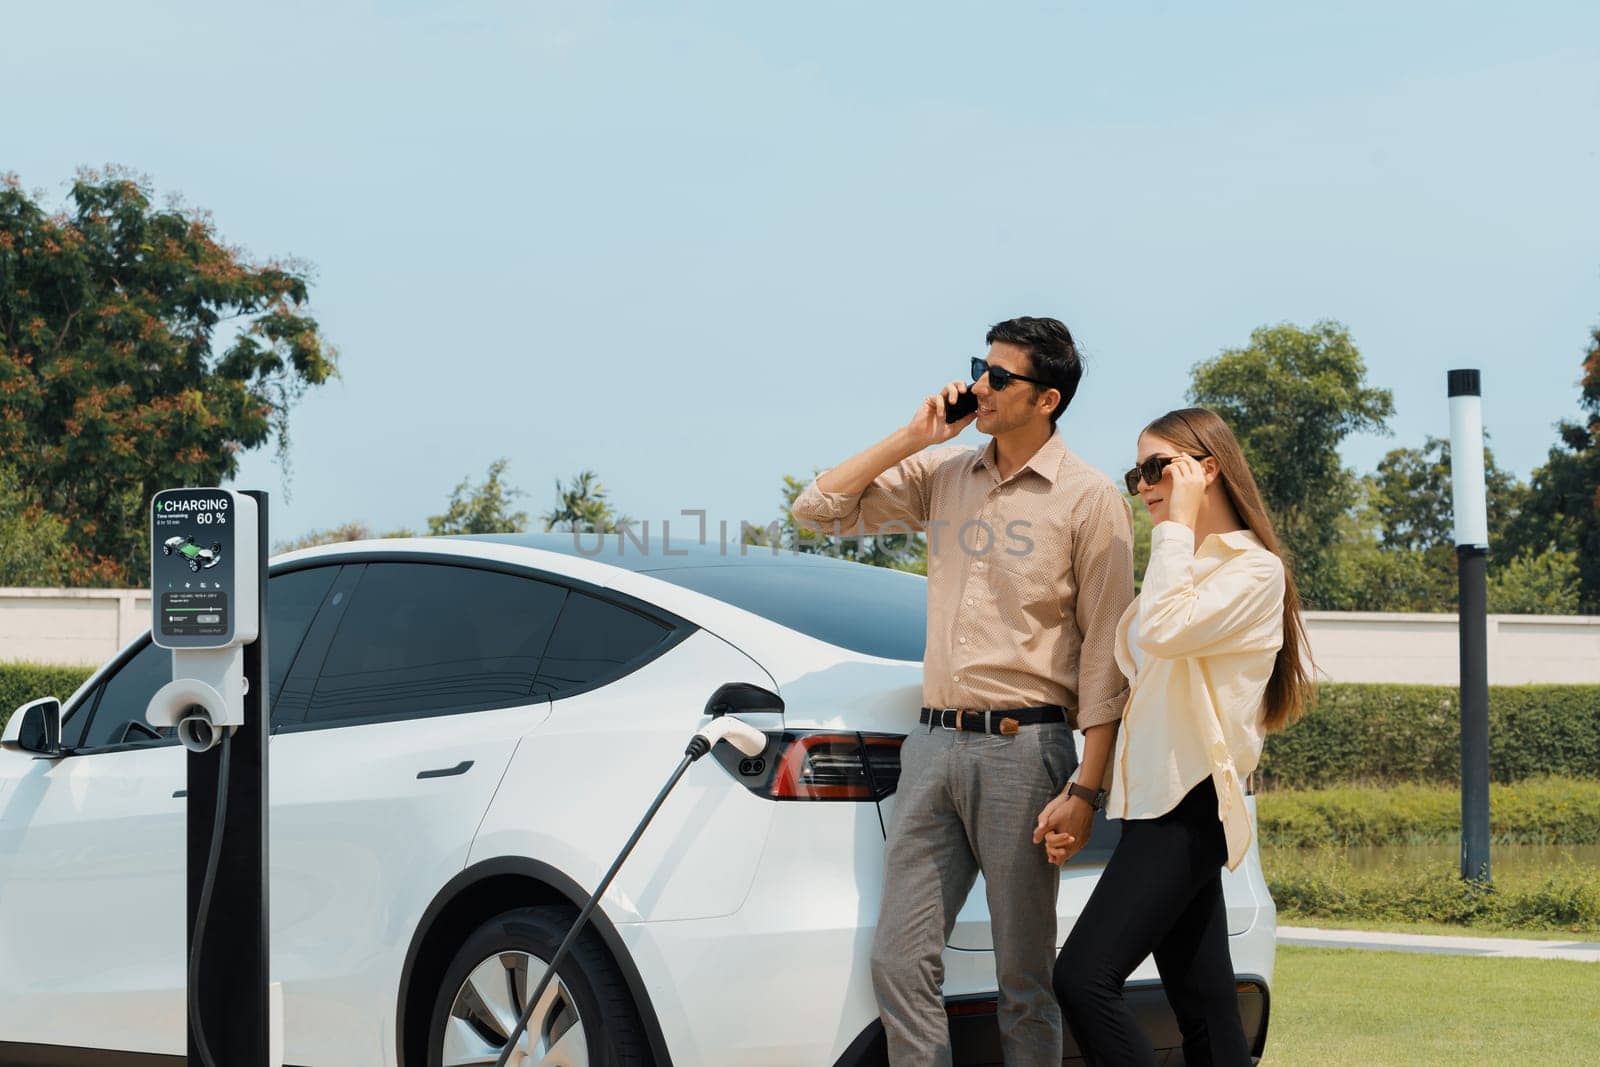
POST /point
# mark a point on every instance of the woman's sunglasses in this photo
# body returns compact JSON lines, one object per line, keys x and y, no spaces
{"x":1149,"y":471}
{"x":999,"y":377}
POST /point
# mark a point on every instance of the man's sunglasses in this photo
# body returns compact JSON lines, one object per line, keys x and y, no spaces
{"x":1149,"y":471}
{"x":999,"y":377}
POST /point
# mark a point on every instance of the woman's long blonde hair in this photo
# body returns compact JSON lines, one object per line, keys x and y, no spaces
{"x":1201,"y":431}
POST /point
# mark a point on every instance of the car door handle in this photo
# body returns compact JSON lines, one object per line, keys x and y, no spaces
{"x":447,"y":772}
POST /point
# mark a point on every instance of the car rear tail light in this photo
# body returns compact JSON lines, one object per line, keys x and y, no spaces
{"x":820,"y":765}
{"x":837,"y":767}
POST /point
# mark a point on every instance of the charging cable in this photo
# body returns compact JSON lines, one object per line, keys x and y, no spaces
{"x":738,"y":733}
{"x":203,"y":910}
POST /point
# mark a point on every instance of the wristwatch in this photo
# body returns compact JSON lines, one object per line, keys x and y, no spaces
{"x":1095,"y":797}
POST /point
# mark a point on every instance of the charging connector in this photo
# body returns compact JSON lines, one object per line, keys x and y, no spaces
{"x":738,"y":733}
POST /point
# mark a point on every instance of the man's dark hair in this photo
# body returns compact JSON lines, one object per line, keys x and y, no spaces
{"x":1049,"y":345}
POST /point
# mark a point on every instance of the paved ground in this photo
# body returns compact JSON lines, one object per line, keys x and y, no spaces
{"x":1582,"y":951}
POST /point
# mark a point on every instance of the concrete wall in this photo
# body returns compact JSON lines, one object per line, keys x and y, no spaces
{"x":70,"y":626}
{"x":1423,"y":649}
{"x":86,"y":626}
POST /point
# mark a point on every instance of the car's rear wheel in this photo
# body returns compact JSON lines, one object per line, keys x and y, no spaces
{"x":584,"y":1019}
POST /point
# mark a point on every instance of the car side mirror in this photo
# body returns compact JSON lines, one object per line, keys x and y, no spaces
{"x":736,"y":698}
{"x":35,"y":727}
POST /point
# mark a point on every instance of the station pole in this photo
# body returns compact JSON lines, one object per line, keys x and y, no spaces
{"x":233,"y":990}
{"x":1469,"y":499}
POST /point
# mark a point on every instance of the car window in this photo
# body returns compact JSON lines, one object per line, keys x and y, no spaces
{"x":595,"y":642}
{"x":118,"y":718}
{"x":874,"y":610}
{"x":292,"y":602}
{"x":429,"y":639}
{"x":114,"y":712}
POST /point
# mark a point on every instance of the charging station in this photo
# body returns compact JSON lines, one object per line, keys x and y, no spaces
{"x":208,"y":587}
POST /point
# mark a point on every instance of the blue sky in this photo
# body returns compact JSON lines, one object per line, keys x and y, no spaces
{"x":697,"y":246}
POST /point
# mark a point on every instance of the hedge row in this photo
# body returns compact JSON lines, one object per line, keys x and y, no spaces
{"x":1538,"y":811}
{"x":1372,"y":734}
{"x":1383,"y":734}
{"x":1311,"y":886}
{"x":22,"y":682}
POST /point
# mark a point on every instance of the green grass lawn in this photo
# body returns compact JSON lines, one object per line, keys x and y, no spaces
{"x":1388,"y":1009}
{"x":1537,"y":811}
{"x":1551,"y":898}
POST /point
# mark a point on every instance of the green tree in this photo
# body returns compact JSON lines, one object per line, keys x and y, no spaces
{"x":1396,"y":551}
{"x":481,"y":509}
{"x":1563,"y":506}
{"x":1544,"y":583}
{"x":905,"y":552}
{"x":1411,"y":498}
{"x":1292,"y":396}
{"x":1364,"y":574}
{"x":582,"y":506}
{"x":355,"y":530}
{"x":1142,"y":525}
{"x":34,"y":550}
{"x":111,"y":385}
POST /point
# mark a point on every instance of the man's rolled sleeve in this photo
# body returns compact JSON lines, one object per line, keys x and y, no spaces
{"x":1102,"y":562}
{"x":901,"y":495}
{"x":816,"y":507}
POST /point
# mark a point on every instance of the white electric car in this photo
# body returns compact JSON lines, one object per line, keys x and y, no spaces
{"x":465,"y":731}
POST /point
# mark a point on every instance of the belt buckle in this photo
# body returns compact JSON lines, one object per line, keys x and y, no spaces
{"x":944,"y":719}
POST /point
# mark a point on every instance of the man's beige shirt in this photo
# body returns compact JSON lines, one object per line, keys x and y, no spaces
{"x":1027,"y":575}
{"x":1210,"y":624}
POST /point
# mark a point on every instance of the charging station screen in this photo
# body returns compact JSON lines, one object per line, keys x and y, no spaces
{"x":194,"y":614}
{"x":192,"y":567}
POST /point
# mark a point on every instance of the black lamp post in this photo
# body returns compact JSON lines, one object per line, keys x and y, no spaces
{"x":1472,"y":551}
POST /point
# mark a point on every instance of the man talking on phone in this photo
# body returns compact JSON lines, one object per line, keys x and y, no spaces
{"x":1030,"y":565}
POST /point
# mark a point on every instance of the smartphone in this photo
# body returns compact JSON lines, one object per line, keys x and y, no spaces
{"x":965,"y":405}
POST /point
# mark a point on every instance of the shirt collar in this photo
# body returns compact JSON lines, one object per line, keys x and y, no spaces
{"x":1238,"y":540}
{"x":1046,"y":462}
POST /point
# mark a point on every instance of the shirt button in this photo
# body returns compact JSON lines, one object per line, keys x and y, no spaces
{"x":955,"y":678}
{"x":963,"y":640}
{"x":969,"y":602}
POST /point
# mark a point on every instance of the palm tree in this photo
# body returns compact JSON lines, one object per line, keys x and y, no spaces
{"x":582,"y":507}
{"x":903,"y":552}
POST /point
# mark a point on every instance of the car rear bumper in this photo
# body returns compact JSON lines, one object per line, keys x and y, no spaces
{"x":786,"y":981}
{"x":975,"y":1038}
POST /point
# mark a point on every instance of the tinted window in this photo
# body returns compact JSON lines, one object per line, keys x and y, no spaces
{"x":873,"y":610}
{"x":125,"y":696}
{"x":595,"y":642}
{"x":292,"y":601}
{"x":422,"y":639}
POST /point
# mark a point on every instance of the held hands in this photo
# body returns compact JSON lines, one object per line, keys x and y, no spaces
{"x":1188,"y":478}
{"x":1064,"y":827}
{"x":927,"y":426}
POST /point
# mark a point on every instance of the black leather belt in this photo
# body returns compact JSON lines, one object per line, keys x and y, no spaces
{"x":991,"y":720}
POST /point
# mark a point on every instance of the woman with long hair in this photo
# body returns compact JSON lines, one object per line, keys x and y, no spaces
{"x":1216,"y":657}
